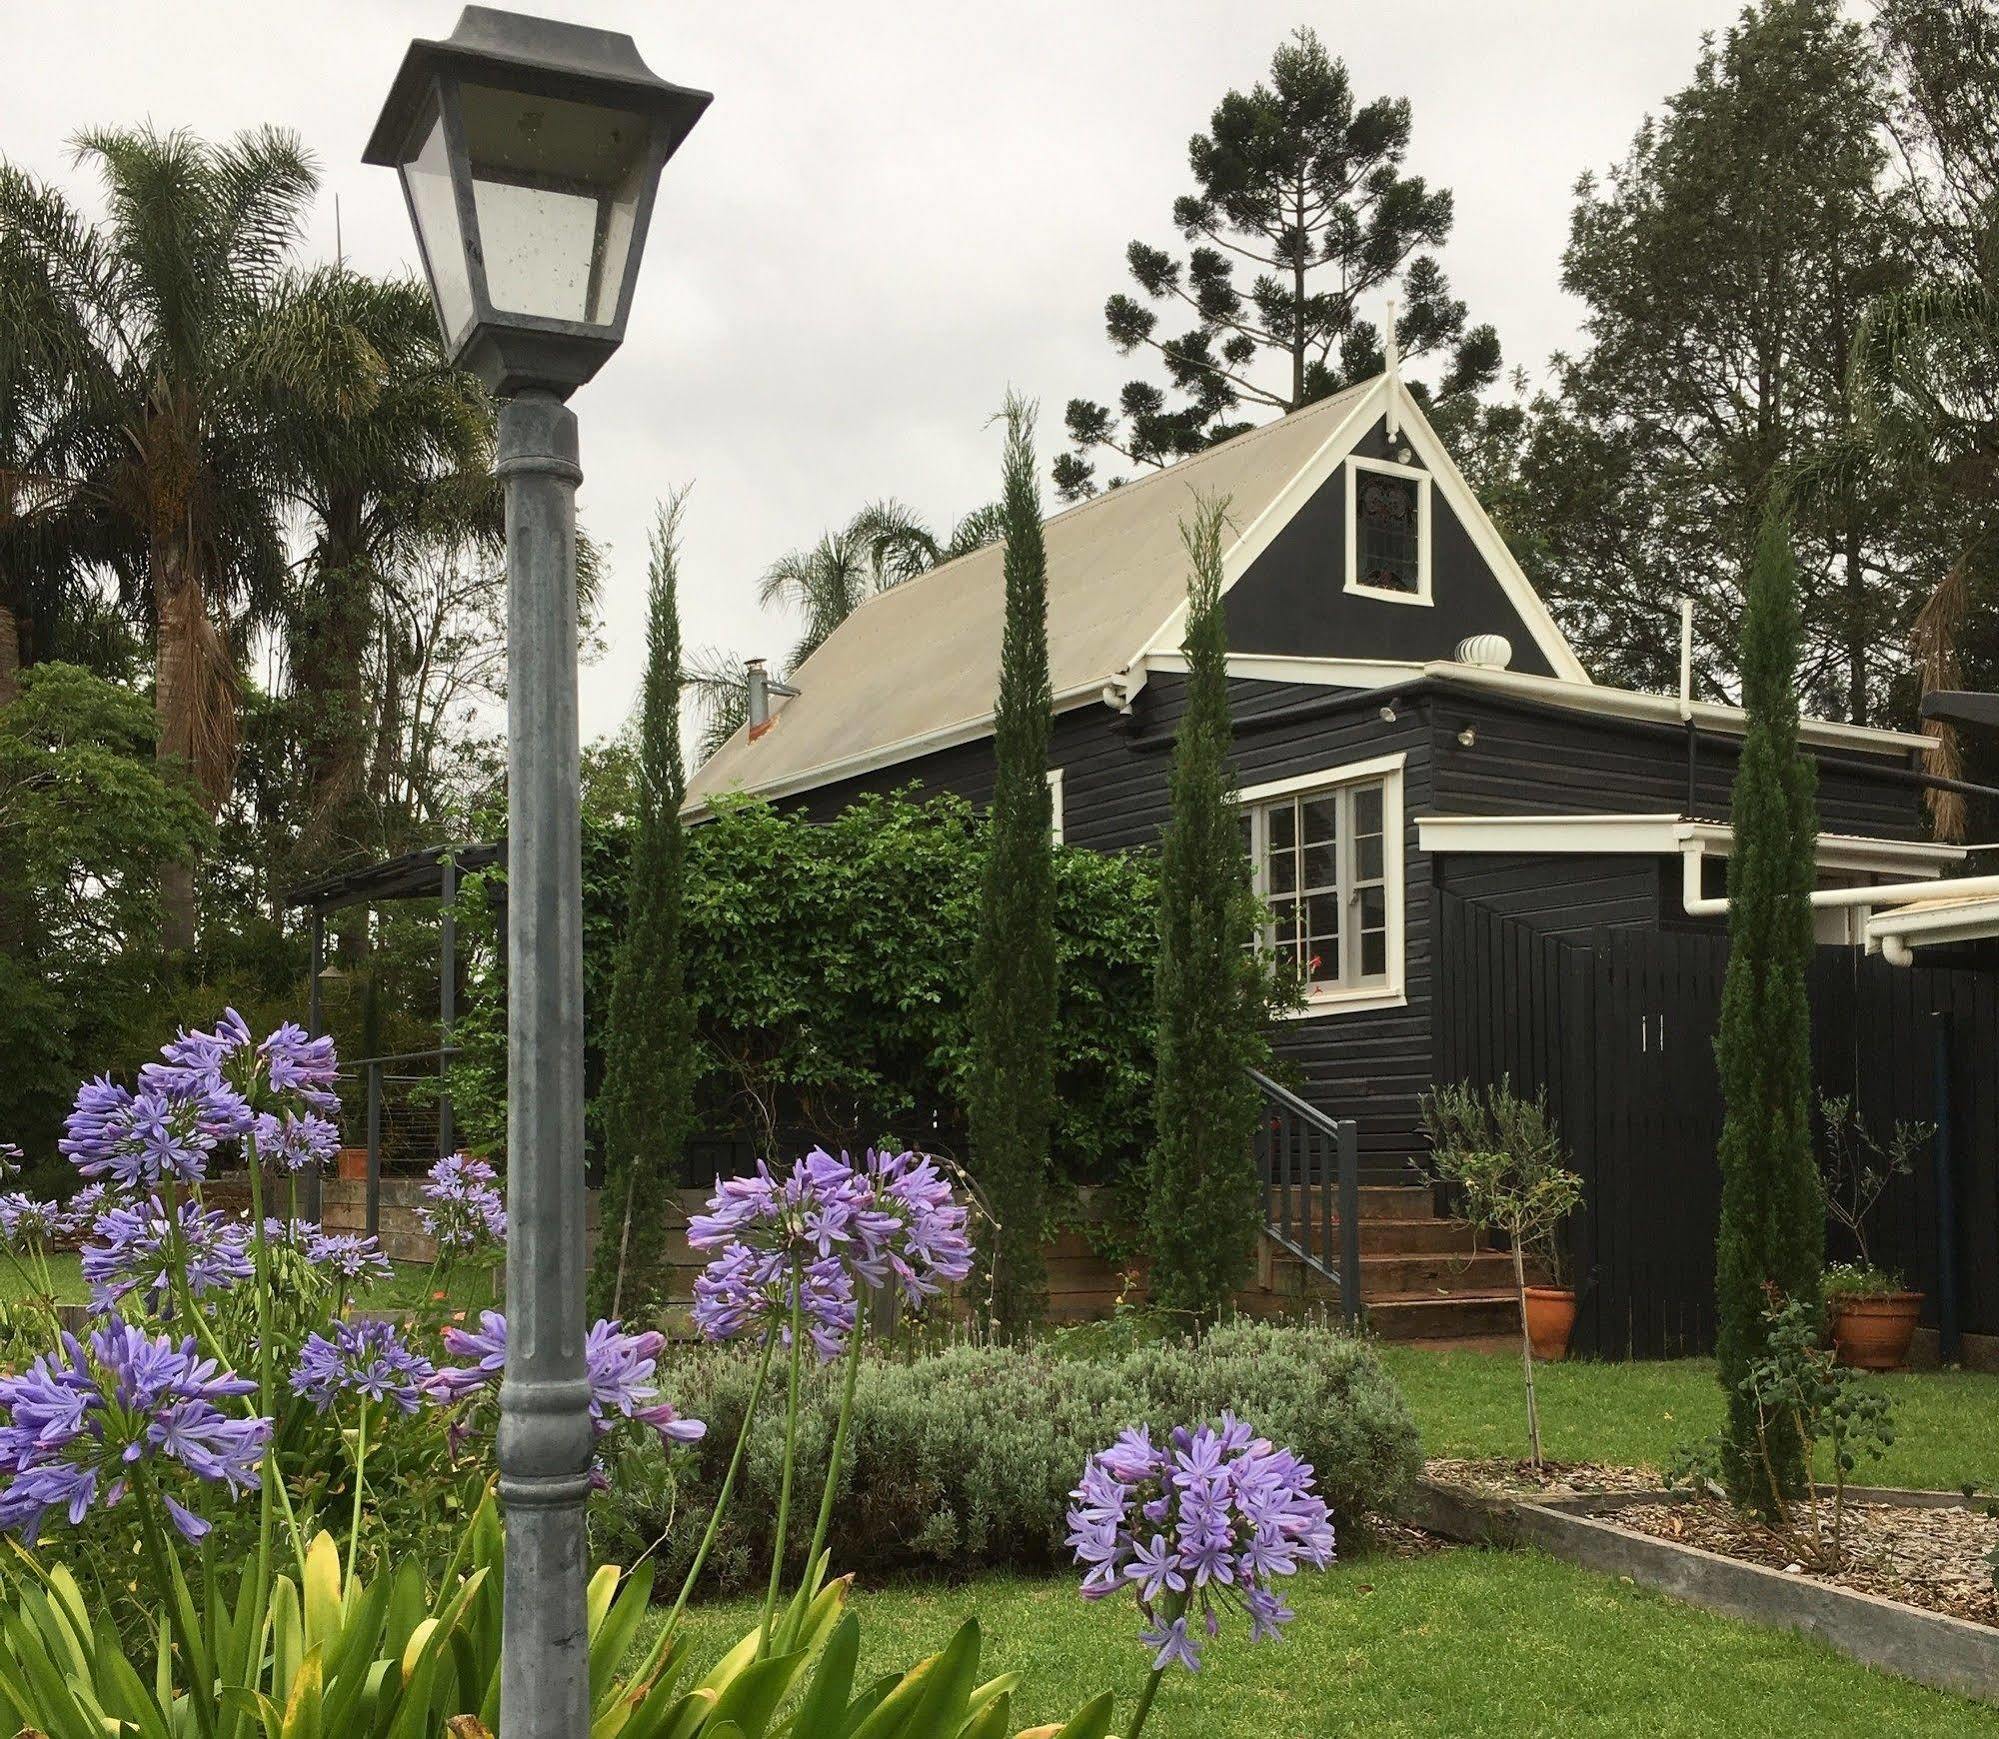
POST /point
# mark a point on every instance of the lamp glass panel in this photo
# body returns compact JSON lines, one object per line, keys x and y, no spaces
{"x":426,"y":176}
{"x":556,"y":186}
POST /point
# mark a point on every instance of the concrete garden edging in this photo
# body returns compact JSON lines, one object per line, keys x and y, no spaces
{"x":1931,"y":1648}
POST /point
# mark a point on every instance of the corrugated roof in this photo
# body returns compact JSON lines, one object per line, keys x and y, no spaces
{"x":923,"y":657}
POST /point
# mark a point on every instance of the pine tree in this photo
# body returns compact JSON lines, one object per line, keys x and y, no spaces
{"x":649,"y":1044}
{"x":1772,"y":1237}
{"x":1013,"y":961}
{"x":1203,"y":1198}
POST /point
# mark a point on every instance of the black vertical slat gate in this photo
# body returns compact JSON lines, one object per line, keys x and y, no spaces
{"x":1619,"y":1031}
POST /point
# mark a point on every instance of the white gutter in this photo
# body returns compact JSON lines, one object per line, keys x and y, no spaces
{"x":1699,"y":905}
{"x":1899,"y":933}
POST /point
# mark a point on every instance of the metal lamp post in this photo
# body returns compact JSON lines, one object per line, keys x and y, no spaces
{"x":529,"y":152}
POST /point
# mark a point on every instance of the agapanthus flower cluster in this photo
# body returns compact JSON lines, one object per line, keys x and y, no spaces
{"x":464,"y":1209}
{"x":1201,"y":1524}
{"x":138,"y":1243}
{"x":81,"y":1424}
{"x":368,"y":1359}
{"x":26,"y":1222}
{"x":11,"y":1159}
{"x":295,"y":1141}
{"x":138,"y":1141}
{"x":353,"y":1256}
{"x":808,"y":1235}
{"x":620,"y":1367}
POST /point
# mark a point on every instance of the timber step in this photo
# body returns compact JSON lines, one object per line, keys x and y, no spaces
{"x":1399,"y":1274}
{"x":1462,"y":1316}
{"x":1378,"y":1201}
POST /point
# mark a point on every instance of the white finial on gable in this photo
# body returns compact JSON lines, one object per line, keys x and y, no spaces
{"x":1392,"y":367}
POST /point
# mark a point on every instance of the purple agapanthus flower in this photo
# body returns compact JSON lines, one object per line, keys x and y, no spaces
{"x":369,"y":1359}
{"x":301,"y":1066}
{"x":76,"y":1425}
{"x":134,"y":1245}
{"x":809,"y":1235}
{"x":1203,"y":1523}
{"x":137,"y":1141}
{"x":620,"y":1367}
{"x":295,"y":1141}
{"x":24,"y":1221}
{"x":464,"y":1210}
{"x":354,"y":1256}
{"x":83,"y":1209}
{"x":11,"y":1158}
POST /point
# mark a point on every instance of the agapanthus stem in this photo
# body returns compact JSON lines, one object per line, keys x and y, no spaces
{"x":360,"y":1467}
{"x":260,"y":1259}
{"x":834,"y":1462}
{"x":790,"y":1462}
{"x":1144,"y":1708}
{"x":728,"y":1486}
{"x":160,"y":1554}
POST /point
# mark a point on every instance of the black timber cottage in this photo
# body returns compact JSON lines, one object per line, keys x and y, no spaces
{"x":1411,"y":729}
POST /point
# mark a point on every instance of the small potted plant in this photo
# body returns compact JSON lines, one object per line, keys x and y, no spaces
{"x":1870,"y":1312}
{"x":1505,"y":1156}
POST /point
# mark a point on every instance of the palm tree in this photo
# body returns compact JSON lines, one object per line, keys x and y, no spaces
{"x":158,"y":318}
{"x":402,"y":471}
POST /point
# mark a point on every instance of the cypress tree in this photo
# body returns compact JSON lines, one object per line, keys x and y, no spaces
{"x":1202,"y":1208}
{"x":649,"y":1040}
{"x":1772,"y":1235}
{"x":1012,"y":1098}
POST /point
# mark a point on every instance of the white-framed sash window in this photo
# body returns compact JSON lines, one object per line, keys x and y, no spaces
{"x":1326,"y":855}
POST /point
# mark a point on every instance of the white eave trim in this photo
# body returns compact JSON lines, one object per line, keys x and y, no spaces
{"x":1932,"y":923}
{"x":1663,"y":836}
{"x":1356,"y":673}
{"x":887,"y":755}
{"x":1633,"y":704}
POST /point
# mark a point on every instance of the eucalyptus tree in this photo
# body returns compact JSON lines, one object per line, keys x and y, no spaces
{"x":157,"y":315}
{"x":1299,"y":188}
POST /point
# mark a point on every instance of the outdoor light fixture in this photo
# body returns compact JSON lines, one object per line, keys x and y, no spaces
{"x":529,"y":151}
{"x":1388,"y":713}
{"x":1467,"y":736}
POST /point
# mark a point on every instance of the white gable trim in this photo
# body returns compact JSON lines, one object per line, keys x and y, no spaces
{"x":1486,"y":540}
{"x":1664,"y":836}
{"x":1319,"y":470}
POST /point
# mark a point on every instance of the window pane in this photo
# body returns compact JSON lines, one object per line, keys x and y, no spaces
{"x":1322,"y":820}
{"x":1284,"y":871}
{"x":1374,"y":954}
{"x":1373,"y":908}
{"x":1367,"y":857}
{"x":1321,"y":866}
{"x":1283,"y":826}
{"x":1322,"y":912}
{"x":1367,"y":809}
{"x":1385,"y":543}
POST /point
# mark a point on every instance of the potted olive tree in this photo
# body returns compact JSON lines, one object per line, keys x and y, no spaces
{"x":1870,"y":1312}
{"x":1506,"y":1157}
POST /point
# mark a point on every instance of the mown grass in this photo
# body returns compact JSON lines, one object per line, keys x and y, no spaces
{"x":1457,"y":1643}
{"x":469,"y":1289}
{"x":1470,"y":1404}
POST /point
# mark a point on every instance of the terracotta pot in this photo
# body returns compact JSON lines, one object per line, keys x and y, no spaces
{"x":352,"y":1165}
{"x":1873,"y":1334}
{"x":1551,"y":1319}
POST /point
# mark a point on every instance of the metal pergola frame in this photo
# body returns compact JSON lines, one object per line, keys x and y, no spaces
{"x":431,"y":872}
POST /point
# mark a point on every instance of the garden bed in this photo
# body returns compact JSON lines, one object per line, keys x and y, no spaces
{"x":1914,"y":1596}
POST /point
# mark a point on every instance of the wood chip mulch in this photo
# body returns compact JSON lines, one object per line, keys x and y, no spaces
{"x":1933,"y":1558}
{"x":1496,"y":1477}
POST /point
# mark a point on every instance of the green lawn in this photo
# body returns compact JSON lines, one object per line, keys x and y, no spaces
{"x":471,"y":1289}
{"x":1459,"y":1643}
{"x":1470,"y":1404}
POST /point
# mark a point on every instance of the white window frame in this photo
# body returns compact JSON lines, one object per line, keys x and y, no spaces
{"x":1055,"y":805}
{"x":1355,"y":465}
{"x":1391,"y":991}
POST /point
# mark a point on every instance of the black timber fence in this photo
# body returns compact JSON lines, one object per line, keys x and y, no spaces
{"x":1619,"y":1028}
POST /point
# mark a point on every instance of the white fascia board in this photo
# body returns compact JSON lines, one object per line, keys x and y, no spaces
{"x":1486,"y":540}
{"x":1254,"y":538}
{"x":1663,"y":836}
{"x":1593,"y":697}
{"x":1355,"y":673}
{"x":888,"y":755}
{"x":1929,"y":923}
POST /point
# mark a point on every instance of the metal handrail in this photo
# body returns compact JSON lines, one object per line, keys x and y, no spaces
{"x":1335,"y":1192}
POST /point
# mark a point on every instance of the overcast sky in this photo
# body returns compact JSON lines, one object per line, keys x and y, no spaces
{"x":891,"y":213}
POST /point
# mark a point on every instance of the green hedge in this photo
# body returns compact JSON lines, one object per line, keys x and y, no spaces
{"x":963,"y":1459}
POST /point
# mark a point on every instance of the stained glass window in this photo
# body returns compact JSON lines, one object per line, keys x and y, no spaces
{"x":1388,"y":512}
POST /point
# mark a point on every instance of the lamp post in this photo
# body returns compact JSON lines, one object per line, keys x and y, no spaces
{"x":529,"y":151}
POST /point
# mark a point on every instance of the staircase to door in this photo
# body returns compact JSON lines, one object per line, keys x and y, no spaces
{"x":1375,"y":1249}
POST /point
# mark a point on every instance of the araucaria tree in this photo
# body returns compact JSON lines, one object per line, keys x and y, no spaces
{"x":1772,"y":1237}
{"x":1202,"y":1203}
{"x":1301,"y":189}
{"x":1012,"y":1095}
{"x":649,"y":1048}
